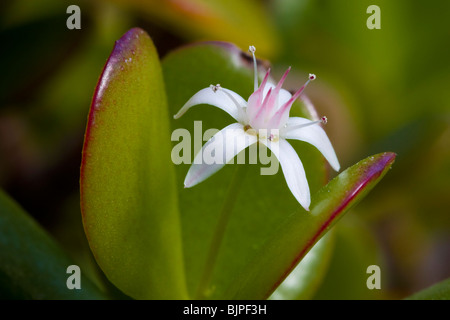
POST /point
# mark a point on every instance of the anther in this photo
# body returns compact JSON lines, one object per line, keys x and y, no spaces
{"x":252,"y":49}
{"x":323,"y":120}
{"x":297,"y":94}
{"x":214,"y":88}
{"x":217,"y":87}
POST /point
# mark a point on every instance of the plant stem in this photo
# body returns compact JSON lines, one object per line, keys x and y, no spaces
{"x":233,"y":191}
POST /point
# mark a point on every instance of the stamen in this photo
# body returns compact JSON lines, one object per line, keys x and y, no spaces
{"x":323,"y":120}
{"x":311,"y":77}
{"x":241,"y":111}
{"x":283,"y":111}
{"x":252,"y":49}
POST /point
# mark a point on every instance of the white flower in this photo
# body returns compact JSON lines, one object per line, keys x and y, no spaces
{"x":264,"y":118}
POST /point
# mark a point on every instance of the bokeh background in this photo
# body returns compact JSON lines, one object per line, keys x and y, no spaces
{"x":382,"y":90}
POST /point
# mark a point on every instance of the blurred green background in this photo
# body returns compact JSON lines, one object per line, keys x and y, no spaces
{"x":382,"y":90}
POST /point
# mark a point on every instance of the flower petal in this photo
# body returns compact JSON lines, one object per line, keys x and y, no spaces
{"x":257,"y":121}
{"x":283,"y":95}
{"x":293,"y":170}
{"x":218,"y":99}
{"x":281,"y":117}
{"x":256,"y":98}
{"x":313,"y":134}
{"x":226,"y":144}
{"x":269,"y":105}
{"x":279,"y":96}
{"x":261,"y":109}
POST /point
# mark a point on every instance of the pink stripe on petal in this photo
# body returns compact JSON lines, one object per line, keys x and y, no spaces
{"x":261,"y":110}
{"x":256,"y":98}
{"x":282,"y":115}
{"x":272,"y":103}
{"x":263,"y":83}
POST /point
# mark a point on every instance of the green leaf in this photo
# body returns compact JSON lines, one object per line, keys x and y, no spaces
{"x":128,"y":200}
{"x":355,"y":250}
{"x":257,"y":205}
{"x":438,"y":291}
{"x":32,"y":264}
{"x":307,"y":276}
{"x":218,"y":20}
{"x":279,"y":256}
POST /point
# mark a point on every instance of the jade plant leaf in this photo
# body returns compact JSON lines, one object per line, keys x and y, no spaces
{"x":279,"y":256}
{"x":303,"y":282}
{"x":438,"y":291}
{"x":356,"y":248}
{"x":128,"y":196}
{"x":32,"y":264}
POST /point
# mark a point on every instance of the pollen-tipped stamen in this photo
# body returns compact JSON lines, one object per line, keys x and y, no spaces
{"x":214,"y":88}
{"x":323,"y":120}
{"x":311,"y":77}
{"x":294,"y":97}
{"x":238,"y":106}
{"x":252,"y":49}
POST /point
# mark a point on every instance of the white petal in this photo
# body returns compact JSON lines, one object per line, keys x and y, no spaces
{"x":226,"y":143}
{"x":218,"y":99}
{"x":241,"y":101}
{"x":293,"y":171}
{"x":313,"y":134}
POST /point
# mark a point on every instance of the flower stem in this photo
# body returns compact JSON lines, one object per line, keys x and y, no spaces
{"x":203,"y":289}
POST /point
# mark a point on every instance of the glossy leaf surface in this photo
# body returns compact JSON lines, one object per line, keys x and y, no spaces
{"x":128,"y":199}
{"x":300,"y":230}
{"x":32,"y":264}
{"x":305,"y":279}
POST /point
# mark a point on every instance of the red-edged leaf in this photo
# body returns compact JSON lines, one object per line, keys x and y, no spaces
{"x":302,"y":230}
